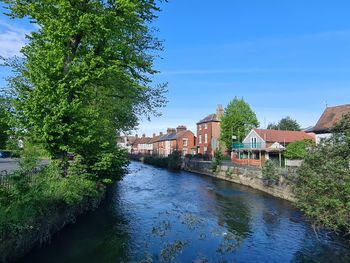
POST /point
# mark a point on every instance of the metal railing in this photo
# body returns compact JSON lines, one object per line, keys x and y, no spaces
{"x":6,"y":177}
{"x":257,"y":145}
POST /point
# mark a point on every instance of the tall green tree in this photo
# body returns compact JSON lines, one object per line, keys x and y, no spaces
{"x":238,"y":120}
{"x":323,"y":182}
{"x":285,"y":124}
{"x":4,"y":123}
{"x":86,"y":74}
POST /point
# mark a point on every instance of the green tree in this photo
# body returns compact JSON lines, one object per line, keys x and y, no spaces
{"x":285,"y":124}
{"x":298,"y":149}
{"x":238,"y":120}
{"x":4,"y":123}
{"x":86,"y":75}
{"x":323,"y":182}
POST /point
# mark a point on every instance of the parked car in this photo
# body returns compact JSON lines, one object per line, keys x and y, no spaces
{"x":5,"y":154}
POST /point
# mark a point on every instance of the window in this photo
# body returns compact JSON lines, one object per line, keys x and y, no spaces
{"x":254,"y":144}
{"x":185,"y":142}
{"x":200,"y":138}
{"x":206,"y":126}
{"x":205,"y":150}
{"x":200,"y":127}
{"x":205,"y":138}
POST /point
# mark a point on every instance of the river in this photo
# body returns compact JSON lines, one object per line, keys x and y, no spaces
{"x":154,"y":215}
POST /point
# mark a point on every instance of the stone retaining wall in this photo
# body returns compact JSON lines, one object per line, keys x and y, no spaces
{"x":245,"y":175}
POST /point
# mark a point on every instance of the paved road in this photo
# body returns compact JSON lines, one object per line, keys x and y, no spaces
{"x":11,"y":164}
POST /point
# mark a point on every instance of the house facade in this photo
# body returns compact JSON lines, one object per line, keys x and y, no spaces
{"x":145,"y":146}
{"x":263,"y":144}
{"x":179,"y":139}
{"x":208,"y":132}
{"x":328,"y":119}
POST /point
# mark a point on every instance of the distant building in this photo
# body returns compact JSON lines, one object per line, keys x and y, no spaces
{"x":263,"y":144}
{"x":328,"y":119}
{"x":155,"y":143}
{"x":126,"y":142}
{"x":208,"y":132}
{"x":179,"y":139}
{"x":144,"y":145}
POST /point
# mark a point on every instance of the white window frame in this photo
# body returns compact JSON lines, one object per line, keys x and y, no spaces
{"x":206,"y":138}
{"x":200,"y":138}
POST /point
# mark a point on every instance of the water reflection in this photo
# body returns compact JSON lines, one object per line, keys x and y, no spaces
{"x":154,"y":215}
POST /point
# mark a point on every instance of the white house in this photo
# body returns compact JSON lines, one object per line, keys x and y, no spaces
{"x":262,"y":144}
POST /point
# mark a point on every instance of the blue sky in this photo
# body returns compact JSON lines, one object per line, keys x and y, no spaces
{"x":283,"y":57}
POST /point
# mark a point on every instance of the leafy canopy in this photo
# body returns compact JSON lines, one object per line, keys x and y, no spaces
{"x":323,"y":182}
{"x":86,"y":75}
{"x":297,"y":149}
{"x":285,"y":124}
{"x":238,"y":119}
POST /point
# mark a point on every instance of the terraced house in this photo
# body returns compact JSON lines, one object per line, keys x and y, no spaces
{"x":179,"y":139}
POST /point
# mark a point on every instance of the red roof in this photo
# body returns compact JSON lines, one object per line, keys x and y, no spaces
{"x":283,"y":136}
{"x":330,"y":117}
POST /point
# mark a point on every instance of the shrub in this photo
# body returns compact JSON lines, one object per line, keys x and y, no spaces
{"x":298,"y":149}
{"x":188,"y":156}
{"x":323,"y":182}
{"x":270,"y":173}
{"x":174,"y":161}
{"x":198,"y":156}
{"x":218,"y":159}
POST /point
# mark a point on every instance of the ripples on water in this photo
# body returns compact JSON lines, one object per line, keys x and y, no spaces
{"x":154,"y":215}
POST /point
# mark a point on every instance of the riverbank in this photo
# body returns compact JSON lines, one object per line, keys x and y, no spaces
{"x":16,"y":245}
{"x":244,"y":175}
{"x":36,"y":204}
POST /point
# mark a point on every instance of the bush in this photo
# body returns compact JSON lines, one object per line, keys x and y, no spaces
{"x":207,"y":157}
{"x":298,"y":149}
{"x":270,"y":173}
{"x":188,"y":156}
{"x":156,"y":161}
{"x":218,"y":159}
{"x":174,"y":161}
{"x":198,"y":156}
{"x":323,"y":182}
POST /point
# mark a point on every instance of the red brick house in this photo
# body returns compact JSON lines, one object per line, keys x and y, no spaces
{"x":208,"y":132}
{"x":179,"y":139}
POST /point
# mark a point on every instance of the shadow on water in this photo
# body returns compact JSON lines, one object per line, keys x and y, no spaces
{"x":154,"y":215}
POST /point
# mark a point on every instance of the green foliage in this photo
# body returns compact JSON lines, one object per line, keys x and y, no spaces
{"x":32,"y":199}
{"x":174,"y":161}
{"x":323,"y":182}
{"x":298,"y":149}
{"x":86,"y":76}
{"x":218,"y":159}
{"x":4,"y":124}
{"x":237,"y":120}
{"x":285,"y":124}
{"x":270,"y":173}
{"x":156,"y":161}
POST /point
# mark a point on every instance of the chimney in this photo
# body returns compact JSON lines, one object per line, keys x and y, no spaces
{"x":161,"y":133}
{"x":219,"y":111}
{"x":154,"y":135}
{"x":181,"y":128}
{"x":170,"y":130}
{"x":143,"y":135}
{"x":136,"y":135}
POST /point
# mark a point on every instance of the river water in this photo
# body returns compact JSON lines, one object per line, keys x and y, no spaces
{"x":154,"y":215}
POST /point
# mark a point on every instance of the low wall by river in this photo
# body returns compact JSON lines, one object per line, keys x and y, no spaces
{"x":244,"y":175}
